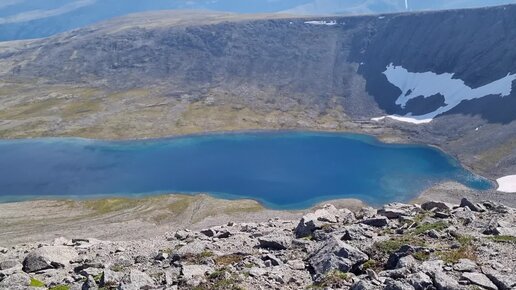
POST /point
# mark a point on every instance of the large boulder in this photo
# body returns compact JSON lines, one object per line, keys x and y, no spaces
{"x":335,"y":254}
{"x":316,"y":220}
{"x":15,"y":281}
{"x":439,"y":205}
{"x":49,"y":257}
{"x":397,"y":210}
{"x":275,"y":241}
{"x":378,"y":222}
{"x":480,"y":280}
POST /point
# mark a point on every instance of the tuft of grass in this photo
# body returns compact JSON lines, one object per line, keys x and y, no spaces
{"x":36,"y":283}
{"x":229,"y":259}
{"x":421,"y":256}
{"x":105,"y":206}
{"x":423,"y":228}
{"x":369,"y":264}
{"x":467,"y":250}
{"x":392,"y":245}
{"x":60,"y":287}
{"x":503,"y":239}
{"x":333,"y":279}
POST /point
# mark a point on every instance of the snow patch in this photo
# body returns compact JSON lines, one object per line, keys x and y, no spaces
{"x":507,"y":184}
{"x":413,"y":85}
{"x":407,"y":119}
{"x":322,"y":22}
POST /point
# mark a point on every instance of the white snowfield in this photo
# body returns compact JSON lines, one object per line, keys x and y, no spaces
{"x":454,"y":91}
{"x":322,"y":22}
{"x":403,"y":119}
{"x":507,"y":184}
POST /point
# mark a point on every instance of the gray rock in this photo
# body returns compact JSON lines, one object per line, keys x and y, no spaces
{"x":110,"y":278}
{"x":256,"y":272}
{"x":420,"y":281}
{"x":276,"y":241}
{"x":209,"y":232}
{"x":376,"y":222}
{"x":273,"y":260}
{"x":465,"y":265}
{"x":434,"y":234}
{"x":363,"y":285}
{"x":431,"y":267}
{"x":296,"y":264}
{"x":395,"y":273}
{"x":3,"y":250}
{"x":391,"y":284}
{"x":182,"y":235}
{"x":191,"y":271}
{"x":139,"y":279}
{"x":443,"y":206}
{"x":356,"y":232}
{"x":90,"y":284}
{"x":48,"y":257}
{"x":408,"y":262}
{"x":313,"y":221}
{"x":336,"y":255}
{"x":161,"y":256}
{"x":474,"y":207}
{"x":480,"y":280}
{"x":444,"y":282}
{"x":15,"y":281}
{"x":397,"y":210}
{"x":9,"y":264}
{"x":503,"y":282}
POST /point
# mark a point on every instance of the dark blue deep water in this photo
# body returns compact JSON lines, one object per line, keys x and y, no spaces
{"x":282,"y":170}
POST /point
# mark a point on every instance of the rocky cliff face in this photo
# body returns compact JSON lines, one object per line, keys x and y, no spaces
{"x":434,"y":245}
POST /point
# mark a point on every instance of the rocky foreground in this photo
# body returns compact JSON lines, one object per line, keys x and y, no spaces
{"x":435,"y":245}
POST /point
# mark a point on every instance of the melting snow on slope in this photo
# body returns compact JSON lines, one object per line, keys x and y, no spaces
{"x":322,"y":22}
{"x":413,"y":85}
{"x":507,"y":184}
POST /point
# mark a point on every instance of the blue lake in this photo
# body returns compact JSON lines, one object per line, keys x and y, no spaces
{"x":287,"y":170}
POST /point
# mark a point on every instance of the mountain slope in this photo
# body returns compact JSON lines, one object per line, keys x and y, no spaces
{"x":23,"y":19}
{"x":167,"y":73}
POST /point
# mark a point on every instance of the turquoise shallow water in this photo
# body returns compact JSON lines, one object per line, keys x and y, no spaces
{"x":286,"y":170}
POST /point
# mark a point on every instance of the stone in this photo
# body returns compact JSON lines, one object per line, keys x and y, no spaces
{"x":420,"y":281}
{"x":480,"y":280}
{"x":378,"y":222}
{"x":110,"y":279}
{"x":434,"y":234}
{"x":356,"y":232}
{"x":140,"y":280}
{"x":48,"y":257}
{"x":161,"y":256}
{"x":443,"y":206}
{"x":15,"y":281}
{"x":191,"y":271}
{"x":297,"y":264}
{"x":182,"y":235}
{"x":336,"y":255}
{"x":466,"y":203}
{"x":90,"y":284}
{"x":443,"y":281}
{"x":408,"y":262}
{"x":256,"y":272}
{"x":313,"y":221}
{"x":223,"y":235}
{"x":503,"y":282}
{"x":9,"y":264}
{"x":465,"y":265}
{"x":372,"y":274}
{"x":3,"y":250}
{"x":362,"y":285}
{"x":391,"y":284}
{"x":397,"y":210}
{"x":209,"y":232}
{"x":274,"y":261}
{"x":275,"y":242}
